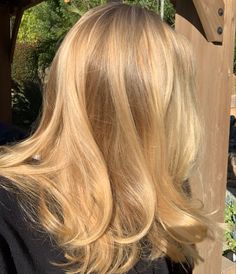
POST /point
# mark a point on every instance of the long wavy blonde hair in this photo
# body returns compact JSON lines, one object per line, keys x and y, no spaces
{"x":119,"y":135}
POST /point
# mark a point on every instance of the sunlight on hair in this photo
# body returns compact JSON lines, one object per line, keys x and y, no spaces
{"x":119,"y":135}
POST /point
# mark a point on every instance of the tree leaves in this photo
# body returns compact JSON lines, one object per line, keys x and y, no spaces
{"x":230,"y":219}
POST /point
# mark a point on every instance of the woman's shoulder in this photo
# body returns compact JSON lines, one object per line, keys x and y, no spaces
{"x":10,"y":209}
{"x":8,"y":205}
{"x":162,"y":265}
{"x":23,"y":249}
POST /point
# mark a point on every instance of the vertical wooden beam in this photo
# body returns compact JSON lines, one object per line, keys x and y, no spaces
{"x":214,"y":71}
{"x":5,"y":66}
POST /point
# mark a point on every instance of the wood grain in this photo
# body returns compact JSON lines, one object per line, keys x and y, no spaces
{"x":228,"y":267}
{"x":210,"y":18}
{"x":214,"y":79}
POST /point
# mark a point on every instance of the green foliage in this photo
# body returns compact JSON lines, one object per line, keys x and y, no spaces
{"x":82,"y":6}
{"x":26,"y":87}
{"x":47,"y":23}
{"x":26,"y":102}
{"x":169,"y":11}
{"x":25,"y":63}
{"x":230,"y":220}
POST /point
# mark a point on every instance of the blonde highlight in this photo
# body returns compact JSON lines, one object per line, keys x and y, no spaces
{"x":119,"y":136}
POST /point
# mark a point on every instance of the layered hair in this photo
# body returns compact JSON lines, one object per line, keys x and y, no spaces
{"x":119,"y":136}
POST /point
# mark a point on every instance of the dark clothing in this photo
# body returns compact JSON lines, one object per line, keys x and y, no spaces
{"x":27,"y":251}
{"x":10,"y":134}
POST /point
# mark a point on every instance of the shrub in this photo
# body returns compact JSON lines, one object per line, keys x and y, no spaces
{"x":26,"y":103}
{"x":230,"y":220}
{"x":25,"y":65}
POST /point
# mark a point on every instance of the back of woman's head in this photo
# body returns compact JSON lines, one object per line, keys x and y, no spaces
{"x":119,"y":136}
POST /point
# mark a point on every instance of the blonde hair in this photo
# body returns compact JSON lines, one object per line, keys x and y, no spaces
{"x":119,"y":135}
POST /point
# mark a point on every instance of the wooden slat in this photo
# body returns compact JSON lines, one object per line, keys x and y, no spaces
{"x":228,"y":267}
{"x":214,"y":71}
{"x":21,"y":5}
{"x":211,"y":18}
{"x":29,"y":4}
